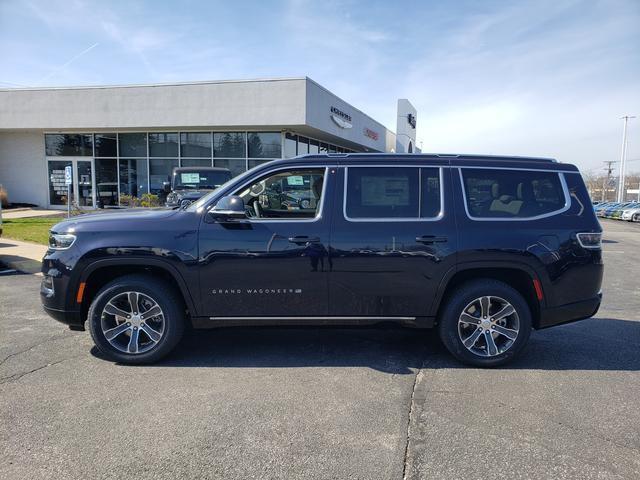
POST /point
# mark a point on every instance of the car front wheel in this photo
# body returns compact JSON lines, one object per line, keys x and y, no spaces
{"x":136,"y":319}
{"x":485,"y":323}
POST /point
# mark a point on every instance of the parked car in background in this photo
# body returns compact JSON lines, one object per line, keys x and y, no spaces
{"x":631,"y":213}
{"x":188,"y":184}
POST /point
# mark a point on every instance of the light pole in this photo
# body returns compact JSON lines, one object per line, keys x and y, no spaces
{"x":623,"y":156}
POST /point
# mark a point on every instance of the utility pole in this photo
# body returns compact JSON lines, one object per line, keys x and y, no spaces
{"x":605,"y":185}
{"x":623,"y":157}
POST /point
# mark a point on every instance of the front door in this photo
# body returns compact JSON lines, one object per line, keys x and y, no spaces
{"x":275,"y":262}
{"x":82,"y":191}
{"x":393,"y":240}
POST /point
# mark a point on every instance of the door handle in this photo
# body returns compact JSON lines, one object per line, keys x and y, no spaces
{"x":301,"y":239}
{"x":430,"y":239}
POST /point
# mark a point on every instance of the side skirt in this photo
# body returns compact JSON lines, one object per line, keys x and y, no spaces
{"x":217,"y":322}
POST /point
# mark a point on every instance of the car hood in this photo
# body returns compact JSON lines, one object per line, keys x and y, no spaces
{"x":119,"y":219}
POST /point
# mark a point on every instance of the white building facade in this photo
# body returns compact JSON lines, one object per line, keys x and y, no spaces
{"x":124,"y":141}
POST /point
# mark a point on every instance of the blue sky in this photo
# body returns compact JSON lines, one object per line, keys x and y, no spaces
{"x":538,"y":77}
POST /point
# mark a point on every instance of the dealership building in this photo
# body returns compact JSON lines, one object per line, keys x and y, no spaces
{"x":124,"y":141}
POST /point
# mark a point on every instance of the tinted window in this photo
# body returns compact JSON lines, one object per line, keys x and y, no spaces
{"x":163,"y":144}
{"x":264,"y":145}
{"x":229,"y":145}
{"x":290,"y":145}
{"x":106,"y":144}
{"x":385,"y":192}
{"x":195,"y":144}
{"x":512,"y":193}
{"x":160,"y":171}
{"x":133,"y":144}
{"x":68,"y":145}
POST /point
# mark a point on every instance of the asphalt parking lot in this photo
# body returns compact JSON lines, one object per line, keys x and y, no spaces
{"x":326,"y":403}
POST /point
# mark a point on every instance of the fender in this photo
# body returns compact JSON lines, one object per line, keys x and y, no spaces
{"x":145,"y":261}
{"x":505,"y":264}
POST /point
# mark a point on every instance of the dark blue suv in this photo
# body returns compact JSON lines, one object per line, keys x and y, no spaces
{"x":482,"y":248}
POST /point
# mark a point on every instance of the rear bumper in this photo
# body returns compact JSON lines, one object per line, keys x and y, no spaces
{"x":571,"y":312}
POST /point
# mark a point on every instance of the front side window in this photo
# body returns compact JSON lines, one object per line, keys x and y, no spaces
{"x":512,"y":193}
{"x":291,"y":194}
{"x":392,"y":193}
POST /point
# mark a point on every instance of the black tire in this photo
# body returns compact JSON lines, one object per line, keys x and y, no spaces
{"x":166,"y":298}
{"x":460,"y":299}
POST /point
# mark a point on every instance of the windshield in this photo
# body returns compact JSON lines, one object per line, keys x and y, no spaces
{"x":199,"y":179}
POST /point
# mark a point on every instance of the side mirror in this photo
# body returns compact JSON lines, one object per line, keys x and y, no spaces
{"x":229,"y":207}
{"x":166,"y":187}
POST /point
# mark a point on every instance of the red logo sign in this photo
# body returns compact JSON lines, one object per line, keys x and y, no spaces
{"x":371,"y":134}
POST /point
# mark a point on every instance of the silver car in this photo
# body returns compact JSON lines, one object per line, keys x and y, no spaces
{"x":631,"y":214}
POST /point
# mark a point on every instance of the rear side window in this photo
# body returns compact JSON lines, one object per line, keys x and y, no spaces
{"x":512,"y":193}
{"x":392,"y":193}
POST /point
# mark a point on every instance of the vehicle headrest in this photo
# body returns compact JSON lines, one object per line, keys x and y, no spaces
{"x":525,"y":191}
{"x":495,"y":190}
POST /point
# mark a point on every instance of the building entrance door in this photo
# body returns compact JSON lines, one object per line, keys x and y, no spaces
{"x":82,"y":188}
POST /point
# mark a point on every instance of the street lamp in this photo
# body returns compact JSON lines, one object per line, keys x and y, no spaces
{"x":623,"y":157}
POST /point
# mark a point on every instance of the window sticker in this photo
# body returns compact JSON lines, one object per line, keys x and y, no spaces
{"x":190,"y":177}
{"x":385,"y":191}
{"x":295,"y":180}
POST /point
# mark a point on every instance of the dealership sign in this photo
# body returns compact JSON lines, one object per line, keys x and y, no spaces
{"x":371,"y":134}
{"x":343,"y":120}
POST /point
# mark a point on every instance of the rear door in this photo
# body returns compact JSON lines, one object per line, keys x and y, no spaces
{"x":393,"y":239}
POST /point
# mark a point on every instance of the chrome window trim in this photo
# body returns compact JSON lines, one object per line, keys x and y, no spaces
{"x":293,"y":167}
{"x":563,"y":182}
{"x":326,"y":317}
{"x":395,"y":219}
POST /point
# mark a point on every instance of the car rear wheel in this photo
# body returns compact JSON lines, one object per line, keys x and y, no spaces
{"x":136,"y":319}
{"x":485,"y":323}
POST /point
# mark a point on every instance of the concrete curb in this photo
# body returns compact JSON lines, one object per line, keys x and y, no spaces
{"x":22,"y":256}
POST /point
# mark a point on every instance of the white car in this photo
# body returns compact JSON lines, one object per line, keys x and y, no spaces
{"x":631,"y":214}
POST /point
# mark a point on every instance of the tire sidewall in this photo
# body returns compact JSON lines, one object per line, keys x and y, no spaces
{"x":466,"y":293}
{"x":161,"y":295}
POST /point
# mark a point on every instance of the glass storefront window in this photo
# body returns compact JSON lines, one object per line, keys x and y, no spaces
{"x":107,"y":181}
{"x":133,"y":177}
{"x":133,"y":144}
{"x":195,"y":144}
{"x":163,"y":144}
{"x":195,"y":162}
{"x":303,"y":145}
{"x":70,"y":145}
{"x":106,"y":144}
{"x":332,"y":149}
{"x":255,"y":163}
{"x":314,"y":146}
{"x":324,"y":148}
{"x":160,"y":171}
{"x":290,"y":145}
{"x":264,"y":145}
{"x":229,"y":144}
{"x":236,"y":166}
{"x":57,"y":188}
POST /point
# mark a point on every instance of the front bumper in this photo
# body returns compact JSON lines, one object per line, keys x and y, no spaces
{"x":571,"y":312}
{"x":72,"y":319}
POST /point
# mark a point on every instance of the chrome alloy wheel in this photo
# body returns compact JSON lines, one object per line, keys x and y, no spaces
{"x":132,"y":322}
{"x":488,"y":326}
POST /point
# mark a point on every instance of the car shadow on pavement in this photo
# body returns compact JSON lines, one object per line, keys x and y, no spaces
{"x":594,"y":344}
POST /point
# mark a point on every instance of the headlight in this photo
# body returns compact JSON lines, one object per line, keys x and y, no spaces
{"x":61,"y":241}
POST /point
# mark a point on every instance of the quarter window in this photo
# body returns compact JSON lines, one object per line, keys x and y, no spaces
{"x":394,"y":193}
{"x":512,"y":193}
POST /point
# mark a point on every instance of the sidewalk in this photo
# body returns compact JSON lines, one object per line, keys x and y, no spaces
{"x":29,"y":212}
{"x":22,"y":256}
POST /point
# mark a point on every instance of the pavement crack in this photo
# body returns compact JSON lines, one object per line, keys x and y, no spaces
{"x":55,"y":337}
{"x":17,"y":376}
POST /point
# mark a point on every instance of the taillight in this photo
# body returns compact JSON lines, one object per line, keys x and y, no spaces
{"x":590,"y":240}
